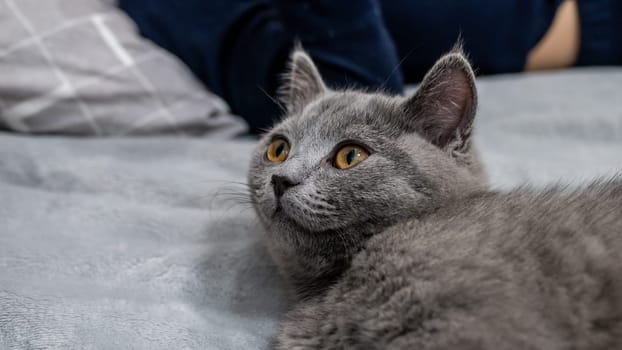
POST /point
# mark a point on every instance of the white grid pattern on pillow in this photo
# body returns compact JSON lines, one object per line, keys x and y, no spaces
{"x":78,"y":67}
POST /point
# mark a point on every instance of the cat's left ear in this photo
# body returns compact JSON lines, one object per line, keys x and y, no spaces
{"x":443,"y":108}
{"x":302,"y":83}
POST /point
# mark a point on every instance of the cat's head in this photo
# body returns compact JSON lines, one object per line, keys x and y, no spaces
{"x":344,"y":165}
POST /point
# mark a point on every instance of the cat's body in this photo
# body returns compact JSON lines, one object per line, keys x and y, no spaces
{"x":376,"y":210}
{"x":522,"y":270}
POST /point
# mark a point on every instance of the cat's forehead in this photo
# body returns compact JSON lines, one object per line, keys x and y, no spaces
{"x":345,"y":114}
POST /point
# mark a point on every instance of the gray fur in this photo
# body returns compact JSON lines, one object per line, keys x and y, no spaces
{"x":410,"y":250}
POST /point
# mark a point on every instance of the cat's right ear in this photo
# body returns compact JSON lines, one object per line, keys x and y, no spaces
{"x":302,"y":83}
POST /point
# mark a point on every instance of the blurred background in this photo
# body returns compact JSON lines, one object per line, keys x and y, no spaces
{"x":238,"y":50}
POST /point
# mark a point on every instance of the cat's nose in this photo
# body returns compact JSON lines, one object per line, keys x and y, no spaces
{"x":281,"y":184}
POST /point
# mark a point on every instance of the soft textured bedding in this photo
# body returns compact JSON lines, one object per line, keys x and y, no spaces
{"x":137,"y":243}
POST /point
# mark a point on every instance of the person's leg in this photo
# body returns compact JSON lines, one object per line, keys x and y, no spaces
{"x":239,"y":48}
{"x":497,"y":35}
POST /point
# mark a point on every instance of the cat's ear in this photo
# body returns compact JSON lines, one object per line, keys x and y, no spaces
{"x":302,"y":83}
{"x":443,"y":108}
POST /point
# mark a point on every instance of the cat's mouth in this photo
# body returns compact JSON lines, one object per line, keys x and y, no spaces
{"x":294,"y":219}
{"x":279,"y":213}
{"x":278,"y":210}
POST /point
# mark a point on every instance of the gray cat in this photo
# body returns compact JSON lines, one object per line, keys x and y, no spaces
{"x":376,"y":209}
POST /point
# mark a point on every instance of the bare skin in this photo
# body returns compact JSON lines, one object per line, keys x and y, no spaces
{"x":559,"y":48}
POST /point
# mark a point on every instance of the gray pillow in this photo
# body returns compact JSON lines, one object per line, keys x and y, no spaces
{"x":79,"y":67}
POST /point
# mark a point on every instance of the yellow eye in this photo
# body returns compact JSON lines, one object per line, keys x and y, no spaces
{"x":349,"y":156}
{"x":278,"y":150}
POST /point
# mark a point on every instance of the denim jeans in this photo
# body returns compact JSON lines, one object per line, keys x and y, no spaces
{"x":239,"y":48}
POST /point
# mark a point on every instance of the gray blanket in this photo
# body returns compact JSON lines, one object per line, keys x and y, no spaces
{"x":145,"y":244}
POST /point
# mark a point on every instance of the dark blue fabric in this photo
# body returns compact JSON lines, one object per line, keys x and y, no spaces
{"x":239,"y":48}
{"x":601,"y":32}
